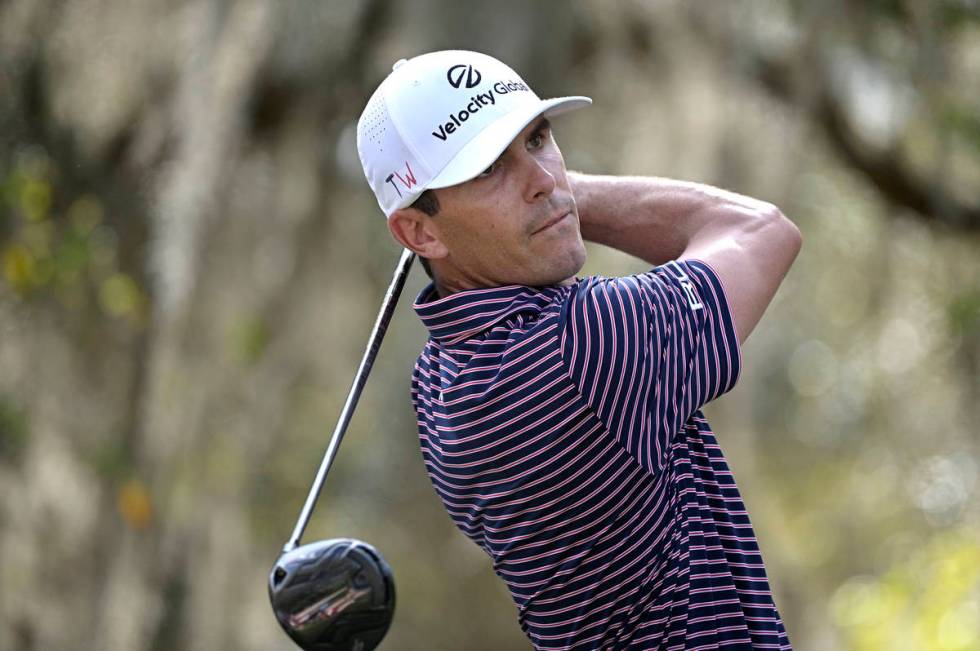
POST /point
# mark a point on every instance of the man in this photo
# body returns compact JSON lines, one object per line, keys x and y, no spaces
{"x":559,"y":417}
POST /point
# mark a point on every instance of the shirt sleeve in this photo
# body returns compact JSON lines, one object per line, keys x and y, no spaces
{"x":647,"y":351}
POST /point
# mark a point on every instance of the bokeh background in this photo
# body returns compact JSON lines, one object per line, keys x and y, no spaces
{"x":191,"y":261}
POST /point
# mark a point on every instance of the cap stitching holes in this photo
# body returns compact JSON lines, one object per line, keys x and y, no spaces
{"x":378,"y":117}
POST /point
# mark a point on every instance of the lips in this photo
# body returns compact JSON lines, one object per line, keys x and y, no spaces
{"x":551,"y":222}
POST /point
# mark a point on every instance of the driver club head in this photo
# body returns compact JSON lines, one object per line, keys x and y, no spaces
{"x":333,"y":595}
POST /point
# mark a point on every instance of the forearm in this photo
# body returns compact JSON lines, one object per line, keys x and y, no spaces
{"x":657,"y":219}
{"x":749,"y":243}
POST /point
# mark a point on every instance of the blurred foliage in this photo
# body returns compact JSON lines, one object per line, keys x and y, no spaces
{"x":249,"y":338}
{"x":13,"y":431}
{"x":929,"y":601}
{"x":190,"y":261}
{"x":65,"y":252}
{"x":135,"y":506}
{"x":964,"y":314}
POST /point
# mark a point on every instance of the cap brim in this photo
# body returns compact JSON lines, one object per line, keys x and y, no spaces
{"x":480,"y":152}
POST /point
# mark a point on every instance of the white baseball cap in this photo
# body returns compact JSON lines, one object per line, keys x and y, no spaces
{"x":440,"y":119}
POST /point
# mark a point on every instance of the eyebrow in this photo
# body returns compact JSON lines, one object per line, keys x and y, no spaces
{"x":542,"y":124}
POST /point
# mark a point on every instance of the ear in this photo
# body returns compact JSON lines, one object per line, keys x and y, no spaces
{"x":415,"y":230}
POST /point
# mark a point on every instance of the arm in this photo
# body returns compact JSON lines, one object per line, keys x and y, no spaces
{"x":749,"y":243}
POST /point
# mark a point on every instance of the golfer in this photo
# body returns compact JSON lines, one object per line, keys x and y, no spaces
{"x":559,"y":417}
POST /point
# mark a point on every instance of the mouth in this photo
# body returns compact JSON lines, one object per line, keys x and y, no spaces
{"x":552,"y":221}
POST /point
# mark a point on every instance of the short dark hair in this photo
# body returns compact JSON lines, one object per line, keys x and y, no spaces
{"x":428,"y":203}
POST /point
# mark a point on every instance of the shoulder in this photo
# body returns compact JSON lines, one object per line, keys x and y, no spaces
{"x":687,"y":280}
{"x":633,"y":294}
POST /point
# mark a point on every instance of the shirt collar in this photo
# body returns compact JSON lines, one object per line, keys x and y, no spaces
{"x":464,"y":314}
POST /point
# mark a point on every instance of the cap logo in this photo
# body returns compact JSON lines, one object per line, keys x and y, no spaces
{"x":460,"y":72}
{"x":408,"y":180}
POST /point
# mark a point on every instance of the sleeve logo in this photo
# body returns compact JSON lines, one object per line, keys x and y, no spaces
{"x":688,"y":287}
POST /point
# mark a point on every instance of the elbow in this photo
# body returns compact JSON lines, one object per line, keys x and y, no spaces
{"x":782,"y":229}
{"x":793,"y":235}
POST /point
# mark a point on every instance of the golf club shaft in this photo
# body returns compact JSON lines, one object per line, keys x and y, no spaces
{"x":374,"y":343}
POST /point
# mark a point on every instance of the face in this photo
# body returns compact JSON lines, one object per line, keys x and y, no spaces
{"x":516,"y":223}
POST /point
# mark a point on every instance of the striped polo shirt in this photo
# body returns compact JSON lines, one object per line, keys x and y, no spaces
{"x":561,"y":427}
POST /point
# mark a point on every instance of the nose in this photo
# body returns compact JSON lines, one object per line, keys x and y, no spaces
{"x":540,"y":181}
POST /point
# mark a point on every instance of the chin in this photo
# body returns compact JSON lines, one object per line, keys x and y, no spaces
{"x":564,"y":268}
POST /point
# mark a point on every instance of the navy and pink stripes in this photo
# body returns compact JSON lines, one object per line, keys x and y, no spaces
{"x":561,"y":428}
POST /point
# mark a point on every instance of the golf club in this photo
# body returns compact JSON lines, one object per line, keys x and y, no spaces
{"x":339,"y":594}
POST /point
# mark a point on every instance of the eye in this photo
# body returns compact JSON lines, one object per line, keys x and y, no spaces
{"x":538,"y":138}
{"x":490,"y":170}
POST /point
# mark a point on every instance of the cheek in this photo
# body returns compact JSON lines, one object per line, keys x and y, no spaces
{"x":553,"y":159}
